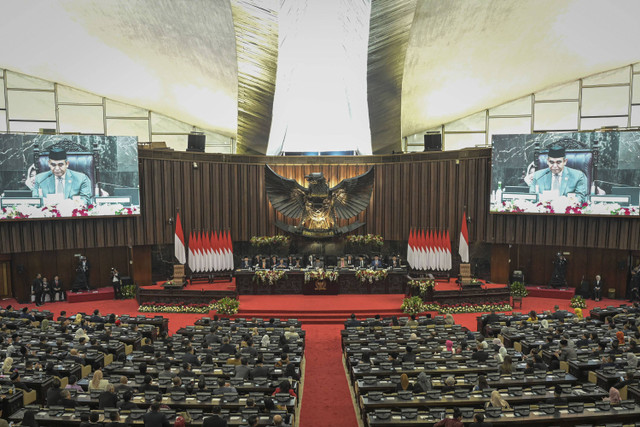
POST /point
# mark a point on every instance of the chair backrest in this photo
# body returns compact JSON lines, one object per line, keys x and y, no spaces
{"x":579,"y":156}
{"x":81,"y":159}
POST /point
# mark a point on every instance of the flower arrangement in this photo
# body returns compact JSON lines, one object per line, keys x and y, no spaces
{"x":564,"y":204}
{"x":366,"y":239}
{"x":412,"y":305}
{"x":578,"y":302}
{"x":180,"y":307}
{"x":277,"y":240}
{"x":422,"y":284}
{"x":370,"y":275}
{"x":268,"y":276}
{"x":227,"y":306}
{"x":473,"y":308}
{"x":66,"y":208}
{"x":415,"y":305}
{"x":128,"y":291}
{"x":518,"y":290}
{"x":320,"y":274}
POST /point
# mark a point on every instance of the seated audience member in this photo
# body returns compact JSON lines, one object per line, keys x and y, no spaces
{"x":53,"y":393}
{"x":448,"y":319}
{"x":278,"y":421}
{"x":97,"y":382}
{"x":176,"y":385}
{"x":224,"y":387}
{"x":449,"y":384}
{"x":285,"y":387}
{"x":566,"y":353}
{"x":252,"y":421}
{"x":186,"y":371}
{"x":29,"y":418}
{"x":614,"y":396}
{"x":66,"y":400}
{"x":482,"y":383}
{"x":108,"y":398}
{"x":448,"y":345}
{"x":423,"y":383}
{"x":353,"y":322}
{"x":529,"y":368}
{"x":412,"y":321}
{"x":146,"y":385}
{"x":243,"y":370}
{"x":114,"y":420}
{"x":455,"y":421}
{"x":259,"y":370}
{"x":480,"y":355}
{"x":155,"y":418}
{"x":404,"y":383}
{"x":7,"y":365}
{"x":127,"y":404}
{"x":215,"y":420}
{"x":291,"y":334}
{"x":73,"y":383}
{"x":497,"y":401}
{"x":478,"y":421}
{"x":15,"y":381}
{"x":123,"y":385}
{"x":290,"y":371}
{"x":533,"y":316}
{"x":409,"y":355}
{"x":506,"y":367}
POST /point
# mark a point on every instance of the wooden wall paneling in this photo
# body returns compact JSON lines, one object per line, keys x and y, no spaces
{"x":499,"y":263}
{"x":141,"y":267}
{"x":579,"y":267}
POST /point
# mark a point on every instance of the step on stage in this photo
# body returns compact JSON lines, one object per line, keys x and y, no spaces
{"x":198,"y":292}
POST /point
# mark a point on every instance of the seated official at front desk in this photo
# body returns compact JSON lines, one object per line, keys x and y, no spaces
{"x":345,"y":262}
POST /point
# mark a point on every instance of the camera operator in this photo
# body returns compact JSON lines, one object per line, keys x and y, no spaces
{"x":115,"y":282}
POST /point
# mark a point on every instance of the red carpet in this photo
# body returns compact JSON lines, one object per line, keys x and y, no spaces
{"x":93,"y":295}
{"x":326,"y":400}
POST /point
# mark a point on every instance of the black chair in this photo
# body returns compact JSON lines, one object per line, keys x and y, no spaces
{"x":405,"y":395}
{"x":547,"y":408}
{"x":409,"y":413}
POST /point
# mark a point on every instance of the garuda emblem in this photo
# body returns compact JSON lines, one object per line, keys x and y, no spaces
{"x":317,"y":206}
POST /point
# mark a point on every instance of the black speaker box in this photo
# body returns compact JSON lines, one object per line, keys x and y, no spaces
{"x":196,"y":142}
{"x":433,"y":142}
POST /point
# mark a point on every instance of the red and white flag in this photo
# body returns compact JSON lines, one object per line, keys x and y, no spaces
{"x":229,"y":248}
{"x":178,"y":242}
{"x":208,"y":251}
{"x":463,"y":249}
{"x":422,"y":254}
{"x":216,"y":252}
{"x":192,"y":259}
{"x":447,"y":242}
{"x":410,"y":250}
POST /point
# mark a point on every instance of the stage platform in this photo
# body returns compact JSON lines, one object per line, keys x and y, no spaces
{"x":99,"y":294}
{"x":451,"y":293}
{"x":196,"y":293}
{"x":546,"y":292}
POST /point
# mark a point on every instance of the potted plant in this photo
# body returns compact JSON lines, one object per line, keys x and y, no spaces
{"x":578,"y":302}
{"x":518,"y":291}
{"x":412,"y":305}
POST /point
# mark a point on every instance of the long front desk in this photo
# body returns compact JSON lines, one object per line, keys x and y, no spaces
{"x":347,"y":283}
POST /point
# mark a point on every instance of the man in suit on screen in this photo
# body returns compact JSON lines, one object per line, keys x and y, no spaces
{"x":60,"y":180}
{"x":559,"y":178}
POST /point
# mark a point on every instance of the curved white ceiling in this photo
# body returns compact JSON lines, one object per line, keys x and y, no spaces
{"x":174,"y":57}
{"x":468,"y":55}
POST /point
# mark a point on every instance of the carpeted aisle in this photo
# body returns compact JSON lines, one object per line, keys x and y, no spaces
{"x":326,"y":400}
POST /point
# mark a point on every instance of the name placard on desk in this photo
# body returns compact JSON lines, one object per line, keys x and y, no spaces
{"x":531,"y":197}
{"x":123,"y":200}
{"x":623,"y":200}
{"x":15,"y":201}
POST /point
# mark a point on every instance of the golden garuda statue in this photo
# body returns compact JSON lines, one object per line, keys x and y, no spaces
{"x":317,"y":206}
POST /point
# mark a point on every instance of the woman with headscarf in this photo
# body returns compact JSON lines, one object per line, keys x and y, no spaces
{"x":44,"y":325}
{"x":614,"y":396}
{"x":423,"y":383}
{"x":620,"y":337}
{"x":500,"y":355}
{"x":632,"y":361}
{"x":80,"y":333}
{"x":265,"y":340}
{"x":544,"y":324}
{"x":497,"y":401}
{"x":448,"y":319}
{"x":578,"y":313}
{"x":449,"y":384}
{"x":404,"y":383}
{"x":449,"y":345}
{"x":7,"y":365}
{"x":78,"y":319}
